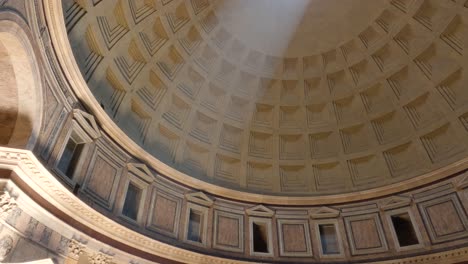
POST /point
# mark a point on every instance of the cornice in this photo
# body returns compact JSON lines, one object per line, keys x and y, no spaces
{"x":31,"y":172}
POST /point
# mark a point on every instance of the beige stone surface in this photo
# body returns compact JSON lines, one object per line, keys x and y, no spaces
{"x":296,"y":98}
{"x":9,"y":106}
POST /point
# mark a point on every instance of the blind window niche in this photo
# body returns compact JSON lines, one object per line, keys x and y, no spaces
{"x":404,"y":230}
{"x":329,"y":239}
{"x":260,"y":237}
{"x":195,"y":226}
{"x":132,"y":201}
{"x":70,"y":156}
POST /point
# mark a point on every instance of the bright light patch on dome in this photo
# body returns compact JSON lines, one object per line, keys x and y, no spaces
{"x":269,"y":24}
{"x":292,"y":28}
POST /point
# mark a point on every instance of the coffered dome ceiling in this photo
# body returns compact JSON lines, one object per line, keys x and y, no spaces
{"x":296,"y":97}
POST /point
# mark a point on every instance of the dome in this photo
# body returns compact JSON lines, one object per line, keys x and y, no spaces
{"x":233,"y":131}
{"x":301,"y":97}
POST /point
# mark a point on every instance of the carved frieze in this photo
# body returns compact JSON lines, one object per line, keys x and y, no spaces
{"x":75,"y":248}
{"x":6,"y":245}
{"x":100,"y":258}
{"x":7,"y":204}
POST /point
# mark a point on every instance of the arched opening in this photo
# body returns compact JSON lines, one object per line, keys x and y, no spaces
{"x":20,"y":88}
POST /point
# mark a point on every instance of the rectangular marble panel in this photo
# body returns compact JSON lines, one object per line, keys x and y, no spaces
{"x":102,"y":178}
{"x":229,"y":231}
{"x":294,"y":237}
{"x":164,"y":213}
{"x":365,"y":234}
{"x":444,"y":218}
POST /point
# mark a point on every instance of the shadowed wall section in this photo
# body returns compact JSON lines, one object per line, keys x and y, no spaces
{"x":20,"y":88}
{"x":8,"y":91}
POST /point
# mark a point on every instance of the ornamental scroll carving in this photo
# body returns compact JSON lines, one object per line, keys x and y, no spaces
{"x":7,"y":204}
{"x":6,"y":245}
{"x":100,"y":258}
{"x":75,"y":248}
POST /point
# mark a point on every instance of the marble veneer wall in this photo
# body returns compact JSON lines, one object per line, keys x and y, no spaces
{"x":438,"y":211}
{"x":365,"y":230}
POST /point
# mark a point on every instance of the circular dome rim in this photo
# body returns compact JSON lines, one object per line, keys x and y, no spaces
{"x":78,"y":84}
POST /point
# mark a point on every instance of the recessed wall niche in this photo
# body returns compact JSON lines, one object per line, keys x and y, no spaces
{"x":71,"y":155}
{"x":405,"y":234}
{"x":329,"y":238}
{"x":196,"y":224}
{"x":82,"y":131}
{"x":260,"y":231}
{"x":196,"y":218}
{"x":134,"y":192}
{"x":261,"y":242}
{"x":132,"y":201}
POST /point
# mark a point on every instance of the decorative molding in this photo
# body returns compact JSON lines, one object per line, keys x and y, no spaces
{"x":141,"y":170}
{"x":395,"y":202}
{"x":100,"y":258}
{"x":87,"y":122}
{"x":6,"y":245}
{"x":199,"y":198}
{"x":75,"y":249}
{"x":260,"y":210}
{"x":30,"y":170}
{"x":324,"y":212}
{"x":462,"y":183}
{"x":453,"y":256}
{"x":7,"y":204}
